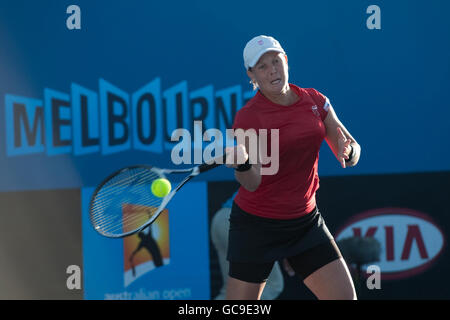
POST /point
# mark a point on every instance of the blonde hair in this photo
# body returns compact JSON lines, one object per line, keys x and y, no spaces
{"x":253,"y":83}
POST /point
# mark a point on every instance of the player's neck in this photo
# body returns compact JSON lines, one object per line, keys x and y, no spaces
{"x":286,"y":97}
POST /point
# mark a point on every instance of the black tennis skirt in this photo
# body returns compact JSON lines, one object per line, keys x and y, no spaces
{"x":256,"y":239}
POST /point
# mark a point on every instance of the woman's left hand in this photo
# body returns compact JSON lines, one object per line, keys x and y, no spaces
{"x":344,"y":148}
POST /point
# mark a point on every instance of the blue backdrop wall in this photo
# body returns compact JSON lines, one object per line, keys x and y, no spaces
{"x":387,"y":86}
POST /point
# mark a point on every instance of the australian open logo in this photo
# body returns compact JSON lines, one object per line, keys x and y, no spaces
{"x":147,"y":250}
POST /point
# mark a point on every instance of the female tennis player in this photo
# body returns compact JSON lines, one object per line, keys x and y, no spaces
{"x":275,"y":217}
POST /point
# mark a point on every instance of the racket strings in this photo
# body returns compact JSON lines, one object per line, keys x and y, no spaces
{"x":110,"y":197}
{"x":106,"y":197}
{"x":129,"y":187}
{"x":98,"y":209}
{"x":119,"y":222}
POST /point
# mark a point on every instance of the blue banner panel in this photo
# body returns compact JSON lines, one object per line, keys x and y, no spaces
{"x":130,"y":268}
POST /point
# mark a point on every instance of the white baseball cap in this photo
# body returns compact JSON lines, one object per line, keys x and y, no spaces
{"x":256,"y":47}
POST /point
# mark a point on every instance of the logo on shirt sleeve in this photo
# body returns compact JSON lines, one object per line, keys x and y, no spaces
{"x":315,"y":111}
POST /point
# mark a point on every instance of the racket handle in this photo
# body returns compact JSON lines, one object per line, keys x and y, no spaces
{"x":218,"y":161}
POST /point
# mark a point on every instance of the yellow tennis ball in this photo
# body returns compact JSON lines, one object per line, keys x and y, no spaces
{"x":161,"y":187}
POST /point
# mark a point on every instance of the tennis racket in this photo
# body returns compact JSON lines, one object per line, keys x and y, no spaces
{"x":123,"y":203}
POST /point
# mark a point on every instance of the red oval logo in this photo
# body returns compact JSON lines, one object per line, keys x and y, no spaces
{"x":410,"y":240}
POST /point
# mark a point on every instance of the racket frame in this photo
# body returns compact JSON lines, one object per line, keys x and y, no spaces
{"x":192,"y":172}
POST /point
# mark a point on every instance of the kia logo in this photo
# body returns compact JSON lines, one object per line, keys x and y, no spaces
{"x":410,"y":240}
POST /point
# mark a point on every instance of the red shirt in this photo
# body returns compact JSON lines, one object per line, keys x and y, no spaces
{"x":290,"y":193}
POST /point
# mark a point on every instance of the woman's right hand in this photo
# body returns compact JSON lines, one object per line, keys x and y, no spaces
{"x":235,"y":156}
{"x":249,"y":179}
